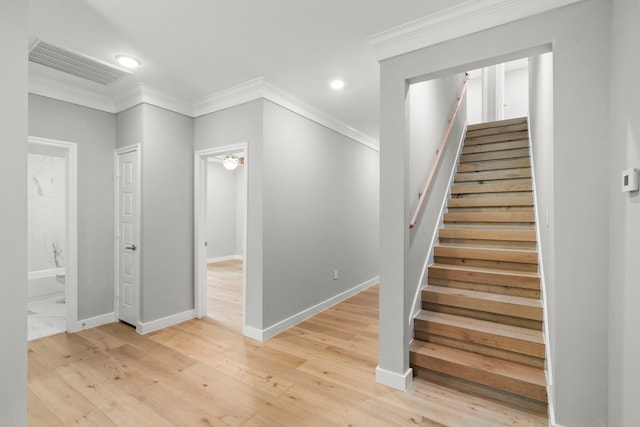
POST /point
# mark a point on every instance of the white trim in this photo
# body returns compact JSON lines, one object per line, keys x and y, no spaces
{"x":457,"y":21}
{"x":165,"y":322}
{"x":291,"y":321}
{"x":261,"y":88}
{"x":50,"y":88}
{"x":93,"y":322}
{"x":231,"y":97}
{"x":392,"y":379}
{"x":71,"y":267}
{"x":225,"y":258}
{"x":200,"y":225}
{"x":42,"y":274}
{"x":253,"y":333}
{"x":142,"y":93}
{"x":116,"y":206}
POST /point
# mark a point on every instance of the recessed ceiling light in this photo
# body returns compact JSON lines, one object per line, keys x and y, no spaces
{"x":128,"y":61}
{"x":337,"y":84}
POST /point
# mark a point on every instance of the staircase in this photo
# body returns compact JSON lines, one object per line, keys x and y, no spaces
{"x":480,"y":327}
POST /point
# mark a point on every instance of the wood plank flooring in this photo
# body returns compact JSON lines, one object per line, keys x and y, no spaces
{"x":204,"y":373}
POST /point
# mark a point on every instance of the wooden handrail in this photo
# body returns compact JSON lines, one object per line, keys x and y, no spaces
{"x":443,"y":144}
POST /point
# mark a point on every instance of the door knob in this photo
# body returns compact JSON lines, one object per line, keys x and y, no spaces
{"x":132,"y":247}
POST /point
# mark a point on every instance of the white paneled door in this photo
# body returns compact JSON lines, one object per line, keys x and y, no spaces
{"x":128,"y":252}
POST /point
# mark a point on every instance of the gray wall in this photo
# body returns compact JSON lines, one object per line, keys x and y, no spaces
{"x":580,"y":37}
{"x":94,"y":132}
{"x":222,"y":211}
{"x":13,"y":223}
{"x":624,"y":212}
{"x":430,"y":106}
{"x":130,"y":126}
{"x":242,"y":123}
{"x":167,"y":214}
{"x":320,"y":213}
{"x":313,"y":201}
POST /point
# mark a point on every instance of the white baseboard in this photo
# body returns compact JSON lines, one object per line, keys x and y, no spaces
{"x":154,"y":325}
{"x":92,"y":322}
{"x":224,"y":258}
{"x":283,"y":325}
{"x":393,"y":379}
{"x":253,"y":333}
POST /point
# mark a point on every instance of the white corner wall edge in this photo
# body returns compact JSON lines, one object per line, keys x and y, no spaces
{"x":392,"y":379}
{"x":463,"y":19}
{"x":165,"y":322}
{"x":50,"y":88}
{"x":283,"y":325}
{"x":93,"y":322}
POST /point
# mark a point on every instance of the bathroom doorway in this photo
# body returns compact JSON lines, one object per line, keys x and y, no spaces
{"x":51,"y":237}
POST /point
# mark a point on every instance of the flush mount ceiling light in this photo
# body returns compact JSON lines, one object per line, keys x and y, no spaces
{"x":337,"y":84}
{"x":230,"y":162}
{"x":128,"y":61}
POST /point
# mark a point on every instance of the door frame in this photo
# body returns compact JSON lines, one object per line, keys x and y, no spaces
{"x":200,"y":225}
{"x":71,"y":219}
{"x":116,"y":292}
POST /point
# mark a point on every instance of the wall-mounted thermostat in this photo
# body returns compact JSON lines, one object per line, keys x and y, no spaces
{"x":629,"y":180}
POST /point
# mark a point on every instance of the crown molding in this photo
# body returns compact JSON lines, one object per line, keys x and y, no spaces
{"x":140,"y":93}
{"x":50,"y":88}
{"x":260,"y":88}
{"x":457,"y":21}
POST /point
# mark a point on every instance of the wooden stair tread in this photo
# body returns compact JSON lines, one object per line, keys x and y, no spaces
{"x":515,"y":278}
{"x":467,"y":188}
{"x":488,"y":234}
{"x":483,"y":326}
{"x":508,"y":305}
{"x":485,"y":165}
{"x":515,"y":127}
{"x":493,"y":175}
{"x":488,"y":253}
{"x":502,"y":374}
{"x":494,"y":155}
{"x":498,"y":123}
{"x":489,"y":217}
{"x":499,"y":137}
{"x":495,"y":146}
{"x":501,"y":200}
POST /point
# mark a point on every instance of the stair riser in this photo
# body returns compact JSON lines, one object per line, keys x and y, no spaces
{"x":501,"y":137}
{"x":528,"y":236}
{"x":481,"y":390}
{"x":534,"y":362}
{"x":504,"y":200}
{"x":511,"y":385}
{"x":494,"y":307}
{"x":483,"y":315}
{"x":489,"y":340}
{"x":492,"y":217}
{"x":498,"y":146}
{"x":474,"y":131}
{"x":522,"y":162}
{"x":526,"y":282}
{"x":496,"y":175}
{"x":526,"y":257}
{"x":498,"y":265}
{"x":496,"y":124}
{"x":497,"y":244}
{"x":481,"y":287}
{"x":494,"y":155}
{"x":490,"y":188}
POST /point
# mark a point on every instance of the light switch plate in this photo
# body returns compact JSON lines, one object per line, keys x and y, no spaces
{"x":629,"y":180}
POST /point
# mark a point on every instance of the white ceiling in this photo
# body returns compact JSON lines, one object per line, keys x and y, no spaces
{"x":192,"y":49}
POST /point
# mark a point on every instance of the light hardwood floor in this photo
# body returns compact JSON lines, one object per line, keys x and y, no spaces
{"x":204,"y":373}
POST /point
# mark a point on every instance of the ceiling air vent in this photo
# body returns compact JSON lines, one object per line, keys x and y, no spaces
{"x":77,"y":64}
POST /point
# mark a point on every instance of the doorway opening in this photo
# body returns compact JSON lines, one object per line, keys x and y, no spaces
{"x":221,"y":212}
{"x":52,"y":237}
